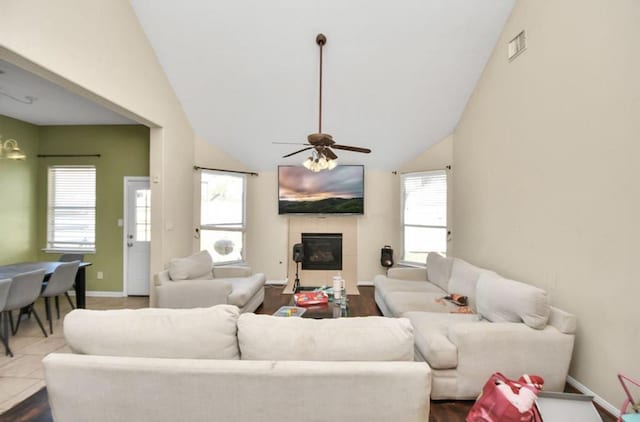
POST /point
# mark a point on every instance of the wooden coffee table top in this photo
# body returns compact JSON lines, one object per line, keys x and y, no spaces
{"x":359,"y":305}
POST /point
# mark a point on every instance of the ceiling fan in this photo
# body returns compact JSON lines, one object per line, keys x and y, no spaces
{"x":322,"y":144}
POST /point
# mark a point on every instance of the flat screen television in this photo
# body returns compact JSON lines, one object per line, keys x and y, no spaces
{"x":339,"y":191}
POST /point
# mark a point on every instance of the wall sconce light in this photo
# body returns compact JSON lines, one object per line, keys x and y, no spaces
{"x":9,"y":149}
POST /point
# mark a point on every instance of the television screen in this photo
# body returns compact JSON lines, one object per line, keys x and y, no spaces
{"x":337,"y":191}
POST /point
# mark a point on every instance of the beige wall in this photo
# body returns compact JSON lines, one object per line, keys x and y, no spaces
{"x":98,"y":50}
{"x":436,"y":157}
{"x":546,"y":173}
{"x":267,"y":232}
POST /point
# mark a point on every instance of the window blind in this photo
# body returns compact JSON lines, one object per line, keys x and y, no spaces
{"x":425,"y":198}
{"x":71,"y":216}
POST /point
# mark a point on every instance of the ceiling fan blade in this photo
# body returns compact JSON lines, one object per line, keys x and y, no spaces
{"x":289,"y":143}
{"x":329,"y":154}
{"x":297,"y":152}
{"x":349,"y":148}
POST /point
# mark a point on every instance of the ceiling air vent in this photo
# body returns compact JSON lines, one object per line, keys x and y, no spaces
{"x":517,"y":45}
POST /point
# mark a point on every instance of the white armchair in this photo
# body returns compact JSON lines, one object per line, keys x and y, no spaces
{"x":193,"y":282}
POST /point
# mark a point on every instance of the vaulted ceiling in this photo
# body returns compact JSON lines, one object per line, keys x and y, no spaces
{"x":397,"y":75}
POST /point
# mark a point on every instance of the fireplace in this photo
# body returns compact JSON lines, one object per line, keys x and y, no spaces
{"x":322,"y":251}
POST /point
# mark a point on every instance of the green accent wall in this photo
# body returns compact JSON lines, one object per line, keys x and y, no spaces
{"x":124,"y":152}
{"x":18,"y":196}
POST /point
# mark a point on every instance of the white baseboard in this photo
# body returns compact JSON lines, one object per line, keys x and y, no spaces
{"x":365,"y":283}
{"x":275,"y":282}
{"x":98,"y":293}
{"x":596,"y":398}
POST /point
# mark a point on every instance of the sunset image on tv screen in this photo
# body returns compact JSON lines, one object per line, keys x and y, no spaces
{"x":337,"y":191}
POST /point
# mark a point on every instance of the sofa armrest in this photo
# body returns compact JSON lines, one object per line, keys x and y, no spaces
{"x":408,"y":273}
{"x":161,"y":277}
{"x":228,"y":271}
{"x":192,"y":293}
{"x":513,"y":349}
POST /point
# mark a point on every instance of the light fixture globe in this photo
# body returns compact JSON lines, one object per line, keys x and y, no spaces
{"x":223,"y":246}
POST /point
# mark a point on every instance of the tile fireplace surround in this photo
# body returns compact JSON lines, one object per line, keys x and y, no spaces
{"x":348,"y":226}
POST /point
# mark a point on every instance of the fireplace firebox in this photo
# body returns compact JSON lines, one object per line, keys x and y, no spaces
{"x":322,"y":251}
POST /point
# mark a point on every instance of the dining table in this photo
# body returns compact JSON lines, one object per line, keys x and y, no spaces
{"x":80,"y":285}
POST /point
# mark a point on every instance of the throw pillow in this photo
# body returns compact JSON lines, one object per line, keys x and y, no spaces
{"x":439,"y":270}
{"x":195,"y":267}
{"x":502,"y":300}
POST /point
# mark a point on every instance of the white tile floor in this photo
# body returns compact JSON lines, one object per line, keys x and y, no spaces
{"x":22,"y":375}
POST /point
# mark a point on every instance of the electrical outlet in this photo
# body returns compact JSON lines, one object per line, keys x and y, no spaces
{"x":100,"y":275}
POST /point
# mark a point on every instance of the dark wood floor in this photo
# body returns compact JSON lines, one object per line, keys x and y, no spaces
{"x":36,"y":407}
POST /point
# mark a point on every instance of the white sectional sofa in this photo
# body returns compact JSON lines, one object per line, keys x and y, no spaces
{"x":194,"y":281}
{"x":513,"y":329}
{"x":215,"y":364}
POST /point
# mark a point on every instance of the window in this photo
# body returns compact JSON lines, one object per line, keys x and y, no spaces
{"x":424,"y":215}
{"x":71,"y":208}
{"x":222,"y":216}
{"x":143,"y":215}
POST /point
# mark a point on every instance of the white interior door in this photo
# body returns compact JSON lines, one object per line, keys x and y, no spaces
{"x":137,"y":235}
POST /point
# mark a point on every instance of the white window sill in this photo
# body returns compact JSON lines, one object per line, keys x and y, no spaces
{"x":411,"y":264}
{"x":78,"y":251}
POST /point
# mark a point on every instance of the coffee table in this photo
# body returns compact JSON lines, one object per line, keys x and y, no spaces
{"x":358,"y":305}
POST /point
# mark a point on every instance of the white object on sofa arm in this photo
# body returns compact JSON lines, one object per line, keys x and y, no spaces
{"x":408,"y":273}
{"x":168,"y":390}
{"x":511,"y":348}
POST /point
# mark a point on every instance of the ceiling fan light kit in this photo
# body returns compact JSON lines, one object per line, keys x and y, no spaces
{"x":322,"y":156}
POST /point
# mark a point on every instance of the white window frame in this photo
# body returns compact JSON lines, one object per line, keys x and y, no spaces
{"x":225,"y":227}
{"x":403,"y":259}
{"x":50,"y":240}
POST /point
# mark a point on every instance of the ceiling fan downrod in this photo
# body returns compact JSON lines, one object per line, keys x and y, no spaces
{"x":321,"y":40}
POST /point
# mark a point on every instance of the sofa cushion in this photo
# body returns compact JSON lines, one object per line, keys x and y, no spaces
{"x":228,"y":271}
{"x":385,"y":285}
{"x":431,"y":336}
{"x":400,"y":302}
{"x":198,"y":333}
{"x":439,"y":269}
{"x":266,"y":337}
{"x":464,"y":279}
{"x":244,"y":288}
{"x":502,"y":300}
{"x":196,"y":266}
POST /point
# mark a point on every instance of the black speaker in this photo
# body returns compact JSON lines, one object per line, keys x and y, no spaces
{"x":386,"y":256}
{"x":298,"y":252}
